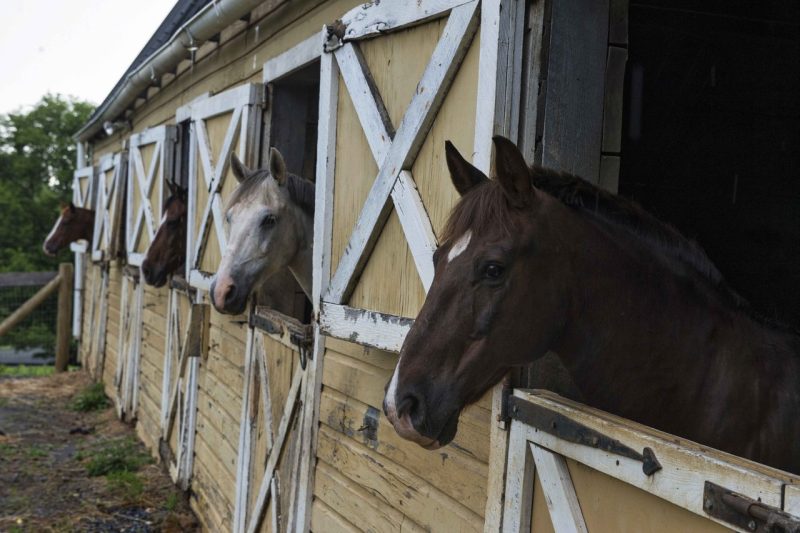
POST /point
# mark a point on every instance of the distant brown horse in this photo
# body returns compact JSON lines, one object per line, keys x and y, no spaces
{"x":167,"y":252}
{"x":534,"y":261}
{"x":73,"y":224}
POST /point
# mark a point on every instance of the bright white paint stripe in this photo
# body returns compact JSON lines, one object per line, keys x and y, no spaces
{"x":460,"y":246}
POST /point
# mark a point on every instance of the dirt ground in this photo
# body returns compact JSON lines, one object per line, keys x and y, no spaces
{"x":46,"y":452}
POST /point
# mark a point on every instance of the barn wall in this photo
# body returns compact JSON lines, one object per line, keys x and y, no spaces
{"x":359,"y":471}
{"x":151,"y":365}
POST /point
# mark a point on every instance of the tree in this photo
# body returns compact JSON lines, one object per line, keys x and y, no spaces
{"x":37,"y":160}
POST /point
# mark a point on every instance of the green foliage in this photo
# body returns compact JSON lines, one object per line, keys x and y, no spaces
{"x":37,"y":160}
{"x":25,"y":371}
{"x":121,"y":455}
{"x":172,"y":501}
{"x":92,"y":398}
{"x":126,"y":484}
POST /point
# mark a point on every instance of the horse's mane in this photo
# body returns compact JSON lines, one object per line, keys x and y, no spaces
{"x":486,"y":207}
{"x":578,"y":193}
{"x":301,"y":190}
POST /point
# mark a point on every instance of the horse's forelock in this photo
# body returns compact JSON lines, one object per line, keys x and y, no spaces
{"x":484,"y":208}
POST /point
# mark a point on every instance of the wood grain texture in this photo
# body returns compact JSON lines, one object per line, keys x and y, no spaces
{"x":573,"y":112}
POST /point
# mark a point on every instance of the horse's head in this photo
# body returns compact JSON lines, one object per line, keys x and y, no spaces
{"x":267,"y":228}
{"x":74,"y":224}
{"x":495,"y":301}
{"x":167,"y":251}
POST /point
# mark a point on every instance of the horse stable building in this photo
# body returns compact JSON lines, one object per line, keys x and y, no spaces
{"x":273,"y":421}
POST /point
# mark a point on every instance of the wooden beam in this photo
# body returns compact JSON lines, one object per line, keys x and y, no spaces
{"x":370,"y":328}
{"x":562,"y":502}
{"x":376,"y":18}
{"x":64,"y":316}
{"x":28,"y":307}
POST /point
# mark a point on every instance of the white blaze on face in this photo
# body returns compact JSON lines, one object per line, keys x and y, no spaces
{"x":50,"y":235}
{"x":460,"y":245}
{"x":391,"y":394}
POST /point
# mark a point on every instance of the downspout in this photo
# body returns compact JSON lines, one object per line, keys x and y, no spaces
{"x":212,"y":19}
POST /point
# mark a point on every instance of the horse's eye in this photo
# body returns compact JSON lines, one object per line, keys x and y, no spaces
{"x":269,"y":221}
{"x":493,"y":271}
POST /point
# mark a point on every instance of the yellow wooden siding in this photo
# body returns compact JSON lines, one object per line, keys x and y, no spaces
{"x":151,"y":365}
{"x":608,"y":504}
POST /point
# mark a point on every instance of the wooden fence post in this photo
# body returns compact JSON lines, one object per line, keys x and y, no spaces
{"x":64,"y":316}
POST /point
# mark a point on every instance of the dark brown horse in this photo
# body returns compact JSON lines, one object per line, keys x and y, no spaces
{"x":73,"y":224}
{"x":535,"y":261}
{"x":167,"y":252}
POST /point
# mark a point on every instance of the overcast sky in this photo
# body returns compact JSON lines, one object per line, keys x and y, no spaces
{"x":73,"y":47}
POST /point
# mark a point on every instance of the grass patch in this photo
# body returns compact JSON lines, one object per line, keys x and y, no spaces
{"x":36,"y":451}
{"x":121,"y":455}
{"x":172,"y":502}
{"x":126,"y":484}
{"x":92,"y":398}
{"x":26,"y":371}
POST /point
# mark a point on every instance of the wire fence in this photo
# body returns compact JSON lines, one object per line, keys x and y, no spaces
{"x":32,"y":341}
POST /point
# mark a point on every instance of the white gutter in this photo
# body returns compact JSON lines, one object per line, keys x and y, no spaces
{"x":209,"y":21}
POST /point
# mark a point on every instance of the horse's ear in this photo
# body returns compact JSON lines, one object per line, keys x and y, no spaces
{"x":277,"y":166}
{"x":240,"y":171}
{"x":173,"y":189}
{"x":463,"y":174}
{"x":71,"y":207}
{"x":512,"y":172}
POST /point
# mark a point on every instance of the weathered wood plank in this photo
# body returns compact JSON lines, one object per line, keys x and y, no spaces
{"x":559,"y":493}
{"x":378,"y":330}
{"x":293,"y":59}
{"x":323,"y":518}
{"x":452,"y":471}
{"x":395,"y":485}
{"x":365,"y":511}
{"x":375,"y":18}
{"x":573,"y":111}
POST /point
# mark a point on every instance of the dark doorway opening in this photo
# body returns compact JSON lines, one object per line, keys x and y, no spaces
{"x":711,"y":139}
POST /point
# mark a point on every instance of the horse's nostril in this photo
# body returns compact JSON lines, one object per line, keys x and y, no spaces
{"x":230,"y":293}
{"x":411,"y":405}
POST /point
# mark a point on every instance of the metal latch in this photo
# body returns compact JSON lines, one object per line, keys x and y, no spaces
{"x":746,"y":513}
{"x":569,"y":430}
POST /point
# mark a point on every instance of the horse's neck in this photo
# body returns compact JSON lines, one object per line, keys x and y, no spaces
{"x":642,"y":337}
{"x":301,"y":264}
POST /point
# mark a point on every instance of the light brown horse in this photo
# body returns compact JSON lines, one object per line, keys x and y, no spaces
{"x":167,"y":251}
{"x":534,"y":261}
{"x":73,"y":224}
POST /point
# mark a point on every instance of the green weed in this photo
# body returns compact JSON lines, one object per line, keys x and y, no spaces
{"x":121,"y":455}
{"x":92,"y":398}
{"x":126,"y":484}
{"x":172,"y":502}
{"x":26,"y":371}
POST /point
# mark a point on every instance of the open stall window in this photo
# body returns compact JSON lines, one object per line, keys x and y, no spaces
{"x":711,"y":137}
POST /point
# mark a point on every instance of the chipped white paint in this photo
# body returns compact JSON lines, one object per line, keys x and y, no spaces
{"x":686,"y":466}
{"x":460,"y":246}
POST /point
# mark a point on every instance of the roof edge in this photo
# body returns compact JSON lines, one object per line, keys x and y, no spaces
{"x":209,"y":21}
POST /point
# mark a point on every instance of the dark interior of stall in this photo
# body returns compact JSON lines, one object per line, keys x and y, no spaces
{"x":293,"y":103}
{"x":711,"y":136}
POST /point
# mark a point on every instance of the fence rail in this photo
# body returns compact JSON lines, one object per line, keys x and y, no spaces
{"x":26,"y":279}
